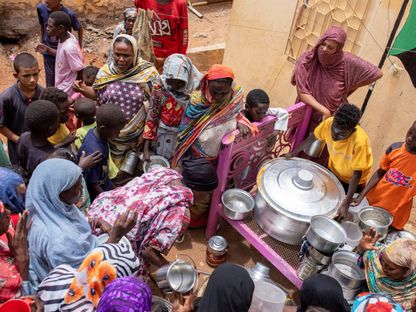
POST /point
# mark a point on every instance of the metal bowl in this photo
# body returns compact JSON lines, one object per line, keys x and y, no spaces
{"x":345,"y":270}
{"x":325,"y":234}
{"x":354,"y":233}
{"x":161,"y":305}
{"x":377,"y":218}
{"x":237,"y":204}
{"x":155,"y":161}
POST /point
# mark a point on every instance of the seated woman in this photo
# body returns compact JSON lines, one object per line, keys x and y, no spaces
{"x":59,"y":233}
{"x":390,"y":269}
{"x":161,"y":202}
{"x":168,"y":103}
{"x":68,"y":289}
{"x":14,"y":256}
{"x":214,"y":110}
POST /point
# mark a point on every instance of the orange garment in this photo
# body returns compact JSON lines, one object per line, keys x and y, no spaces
{"x":396,"y":189}
{"x":219,"y":72}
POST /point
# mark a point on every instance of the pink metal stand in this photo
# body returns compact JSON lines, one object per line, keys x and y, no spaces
{"x":238,"y":163}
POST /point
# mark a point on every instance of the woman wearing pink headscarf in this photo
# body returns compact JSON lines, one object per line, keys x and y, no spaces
{"x":325,"y":76}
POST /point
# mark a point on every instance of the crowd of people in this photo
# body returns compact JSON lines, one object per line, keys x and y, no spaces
{"x":77,"y":233}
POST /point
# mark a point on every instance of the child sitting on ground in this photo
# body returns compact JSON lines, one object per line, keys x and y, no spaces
{"x":15,"y":100}
{"x":393,"y":185}
{"x":350,"y":156}
{"x":110,"y":121}
{"x":62,"y":137}
{"x":42,"y":119}
{"x":85,"y":110}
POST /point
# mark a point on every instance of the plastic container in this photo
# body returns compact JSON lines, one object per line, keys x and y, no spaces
{"x":354,"y":233}
{"x":267,"y":297}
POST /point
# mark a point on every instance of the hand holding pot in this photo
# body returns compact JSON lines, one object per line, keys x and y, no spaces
{"x":183,"y":303}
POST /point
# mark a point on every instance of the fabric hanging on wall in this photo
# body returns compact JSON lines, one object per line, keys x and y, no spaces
{"x":404,"y":47}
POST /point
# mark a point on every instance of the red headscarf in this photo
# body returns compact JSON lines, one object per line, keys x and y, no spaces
{"x":218,"y":71}
{"x":330,"y":79}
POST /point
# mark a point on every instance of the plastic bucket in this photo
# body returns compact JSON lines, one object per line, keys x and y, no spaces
{"x":267,"y":297}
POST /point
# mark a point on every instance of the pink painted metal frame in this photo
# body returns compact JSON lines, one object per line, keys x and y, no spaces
{"x":238,"y":163}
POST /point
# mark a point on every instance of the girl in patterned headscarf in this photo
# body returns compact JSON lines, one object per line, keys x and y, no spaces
{"x":168,"y":103}
{"x":126,"y":26}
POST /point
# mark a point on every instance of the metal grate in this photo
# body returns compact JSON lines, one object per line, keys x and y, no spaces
{"x":290,"y":253}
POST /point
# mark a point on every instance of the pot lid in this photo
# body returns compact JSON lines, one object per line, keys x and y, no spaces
{"x":218,"y":243}
{"x":300,"y":188}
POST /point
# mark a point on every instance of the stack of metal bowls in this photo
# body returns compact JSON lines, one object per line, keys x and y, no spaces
{"x":345,"y":270}
{"x":312,"y":262}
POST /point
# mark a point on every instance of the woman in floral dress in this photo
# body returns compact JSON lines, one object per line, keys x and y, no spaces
{"x":162,"y":204}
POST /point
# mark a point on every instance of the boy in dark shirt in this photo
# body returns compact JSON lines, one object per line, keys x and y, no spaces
{"x":15,"y":100}
{"x":44,"y":9}
{"x":257,"y":105}
{"x":42,"y":119}
{"x":110,"y":120}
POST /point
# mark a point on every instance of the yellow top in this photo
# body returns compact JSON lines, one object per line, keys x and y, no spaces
{"x":59,"y":135}
{"x":349,"y":155}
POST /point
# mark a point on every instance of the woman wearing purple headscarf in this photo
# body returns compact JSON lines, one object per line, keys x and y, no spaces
{"x":325,"y":76}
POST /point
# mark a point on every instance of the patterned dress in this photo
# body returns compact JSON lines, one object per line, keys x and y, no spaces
{"x":162,"y":208}
{"x":128,"y":96}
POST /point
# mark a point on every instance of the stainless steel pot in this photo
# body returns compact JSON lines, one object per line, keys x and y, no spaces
{"x":325,"y":234}
{"x":318,"y":257}
{"x":345,"y":270}
{"x":179,"y":276}
{"x":237,"y":204}
{"x":155,"y":161}
{"x":315,"y":149}
{"x":377,"y":218}
{"x":290,"y":192}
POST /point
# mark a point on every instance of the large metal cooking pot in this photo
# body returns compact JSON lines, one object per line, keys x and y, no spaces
{"x":292,"y":191}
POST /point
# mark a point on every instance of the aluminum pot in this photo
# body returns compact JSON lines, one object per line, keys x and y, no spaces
{"x":130,"y":162}
{"x":377,"y":218}
{"x":325,"y":234}
{"x":237,"y":204}
{"x":179,"y":276}
{"x":315,"y":149}
{"x":155,"y":161}
{"x":318,"y":257}
{"x":290,"y":192}
{"x":345,"y":270}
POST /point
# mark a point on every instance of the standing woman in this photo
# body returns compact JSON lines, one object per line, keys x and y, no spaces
{"x":326,"y":75}
{"x":127,"y":82}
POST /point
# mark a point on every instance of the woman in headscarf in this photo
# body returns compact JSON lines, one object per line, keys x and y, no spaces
{"x":12,"y":190}
{"x":126,"y":26}
{"x":127,"y":294}
{"x":390,"y":269}
{"x":76,"y":290}
{"x":214,"y":110}
{"x":229,"y":289}
{"x":326,"y":75}
{"x":59,"y":233}
{"x":324,"y":292}
{"x":168,"y":103}
{"x":161,"y":202}
{"x":127,"y":82}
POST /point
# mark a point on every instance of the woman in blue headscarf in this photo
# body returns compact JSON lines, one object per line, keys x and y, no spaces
{"x":12,"y":190}
{"x":60,"y":234}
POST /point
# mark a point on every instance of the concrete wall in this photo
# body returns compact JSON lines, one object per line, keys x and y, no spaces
{"x":19,"y":17}
{"x":255,"y":49}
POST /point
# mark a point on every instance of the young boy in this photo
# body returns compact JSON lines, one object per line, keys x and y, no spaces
{"x":350,"y":156}
{"x":69,"y":60}
{"x":15,"y":100}
{"x":110,"y":121}
{"x":85,"y":110}
{"x":393,"y":185}
{"x":42,"y":119}
{"x":88,"y":77}
{"x":62,"y":137}
{"x":257,"y":105}
{"x":44,"y":10}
